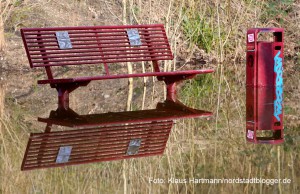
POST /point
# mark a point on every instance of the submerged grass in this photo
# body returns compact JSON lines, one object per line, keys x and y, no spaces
{"x":196,"y":149}
{"x":199,"y":31}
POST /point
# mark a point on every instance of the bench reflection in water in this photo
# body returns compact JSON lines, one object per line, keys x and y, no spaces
{"x":104,"y":137}
{"x":264,"y":115}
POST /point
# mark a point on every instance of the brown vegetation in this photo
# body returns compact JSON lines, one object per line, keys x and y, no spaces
{"x":206,"y":33}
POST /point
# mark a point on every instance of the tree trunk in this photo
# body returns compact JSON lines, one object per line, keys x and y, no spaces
{"x":129,"y":65}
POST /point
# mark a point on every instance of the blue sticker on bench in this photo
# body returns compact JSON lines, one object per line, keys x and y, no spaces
{"x":64,"y":154}
{"x":134,"y":37}
{"x":63,"y":39}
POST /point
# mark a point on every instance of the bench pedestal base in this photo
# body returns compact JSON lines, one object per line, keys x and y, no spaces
{"x":64,"y":89}
{"x":171,"y":81}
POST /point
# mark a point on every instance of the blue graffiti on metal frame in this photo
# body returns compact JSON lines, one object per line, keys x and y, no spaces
{"x":278,"y":69}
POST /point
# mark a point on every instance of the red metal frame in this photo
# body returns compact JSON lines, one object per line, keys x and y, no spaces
{"x":101,"y":143}
{"x":106,"y":45}
{"x":66,"y":86}
{"x":94,"y":45}
{"x":264,"y":98}
{"x":104,"y":137}
{"x":168,"y":110}
{"x":101,"y":44}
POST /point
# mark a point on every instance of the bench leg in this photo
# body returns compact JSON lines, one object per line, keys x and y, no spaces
{"x":64,"y":90}
{"x":63,"y":98}
{"x":171,"y":91}
{"x":171,"y":81}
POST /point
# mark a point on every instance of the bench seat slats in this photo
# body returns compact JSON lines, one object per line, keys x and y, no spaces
{"x":96,"y":145}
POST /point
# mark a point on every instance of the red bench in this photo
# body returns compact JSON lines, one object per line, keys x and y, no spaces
{"x":107,"y":45}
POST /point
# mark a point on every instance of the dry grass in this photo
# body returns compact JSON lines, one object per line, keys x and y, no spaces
{"x":197,"y":148}
{"x":2,"y":97}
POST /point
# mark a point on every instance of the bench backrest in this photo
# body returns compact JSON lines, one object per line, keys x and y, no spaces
{"x":60,"y":46}
{"x":102,"y":143}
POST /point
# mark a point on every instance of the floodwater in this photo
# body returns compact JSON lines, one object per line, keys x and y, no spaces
{"x":205,"y":144}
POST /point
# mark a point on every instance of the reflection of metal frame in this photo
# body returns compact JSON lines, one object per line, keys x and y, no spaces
{"x":105,"y":137}
{"x":260,"y":117}
{"x":264,"y":101}
{"x":105,"y":45}
{"x":93,"y":45}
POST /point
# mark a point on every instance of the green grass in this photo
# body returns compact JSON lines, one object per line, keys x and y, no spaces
{"x":198,"y":88}
{"x":277,"y":10}
{"x":199,"y":31}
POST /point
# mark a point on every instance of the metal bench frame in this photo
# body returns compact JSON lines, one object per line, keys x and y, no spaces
{"x":105,"y":45}
{"x":105,"y":136}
